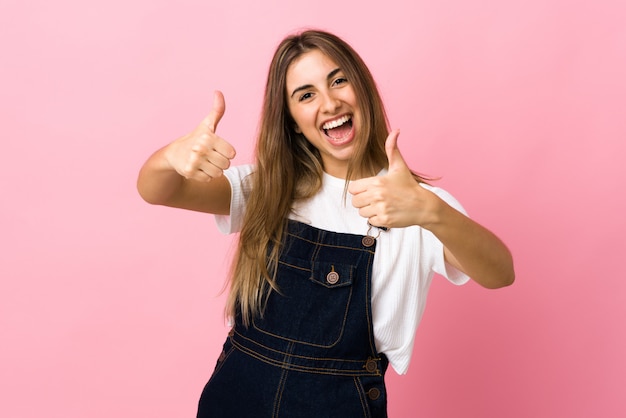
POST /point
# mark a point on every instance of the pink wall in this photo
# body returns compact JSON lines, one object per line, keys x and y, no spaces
{"x":111,"y":307}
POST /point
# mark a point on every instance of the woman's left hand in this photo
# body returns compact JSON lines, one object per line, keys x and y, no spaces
{"x":396,"y":199}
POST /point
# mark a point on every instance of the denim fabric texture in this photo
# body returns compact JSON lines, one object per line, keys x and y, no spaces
{"x":312,"y":353}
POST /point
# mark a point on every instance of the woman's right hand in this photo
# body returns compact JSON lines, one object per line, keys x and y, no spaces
{"x":187,"y":173}
{"x":202,"y":155}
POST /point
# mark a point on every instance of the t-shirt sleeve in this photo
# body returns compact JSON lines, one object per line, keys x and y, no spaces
{"x":440,"y":266}
{"x":237,"y":176}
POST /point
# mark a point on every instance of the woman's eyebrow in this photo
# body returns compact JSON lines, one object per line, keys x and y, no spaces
{"x":308,"y":86}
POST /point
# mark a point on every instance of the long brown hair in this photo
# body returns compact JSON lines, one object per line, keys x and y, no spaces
{"x":289,"y":168}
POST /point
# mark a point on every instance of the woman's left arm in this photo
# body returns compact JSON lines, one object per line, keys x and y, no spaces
{"x":396,"y":200}
{"x":472,"y":248}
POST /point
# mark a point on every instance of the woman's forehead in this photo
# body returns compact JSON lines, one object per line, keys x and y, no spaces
{"x":311,"y":66}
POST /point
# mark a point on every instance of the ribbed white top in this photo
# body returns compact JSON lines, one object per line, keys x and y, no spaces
{"x":404,"y":263}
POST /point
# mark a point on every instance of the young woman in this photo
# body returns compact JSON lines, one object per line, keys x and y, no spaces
{"x":339,"y":240}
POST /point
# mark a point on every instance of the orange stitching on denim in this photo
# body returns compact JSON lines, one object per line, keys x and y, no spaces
{"x":356,"y":248}
{"x":219,"y":366}
{"x":345,"y":317}
{"x":312,"y":370}
{"x":279,"y":393}
{"x":361,"y":392}
{"x":298,"y":356}
{"x":293,"y":266}
{"x":368,"y":314}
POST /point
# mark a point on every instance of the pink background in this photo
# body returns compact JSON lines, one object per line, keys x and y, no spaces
{"x":110,"y":307}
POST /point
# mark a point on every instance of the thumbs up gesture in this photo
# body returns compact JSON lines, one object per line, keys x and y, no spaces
{"x":202,"y":155}
{"x":396,"y":199}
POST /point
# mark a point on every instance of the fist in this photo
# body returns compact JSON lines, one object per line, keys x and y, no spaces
{"x":202,"y":155}
{"x":396,"y":199}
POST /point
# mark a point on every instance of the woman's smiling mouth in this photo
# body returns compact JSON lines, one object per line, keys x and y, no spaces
{"x":338,"y":129}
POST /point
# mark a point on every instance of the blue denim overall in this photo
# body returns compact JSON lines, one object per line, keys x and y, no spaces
{"x":312,"y":354}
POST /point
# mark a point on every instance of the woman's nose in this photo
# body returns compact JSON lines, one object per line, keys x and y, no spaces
{"x":330,"y":103}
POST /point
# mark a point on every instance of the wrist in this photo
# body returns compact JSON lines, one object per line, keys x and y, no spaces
{"x":438,"y":215}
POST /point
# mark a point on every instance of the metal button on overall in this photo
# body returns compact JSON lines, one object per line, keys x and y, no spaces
{"x":373,"y":394}
{"x":368,"y":241}
{"x":332,"y":277}
{"x":371,"y":365}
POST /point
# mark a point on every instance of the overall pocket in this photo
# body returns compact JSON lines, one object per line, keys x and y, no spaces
{"x":311,"y":304}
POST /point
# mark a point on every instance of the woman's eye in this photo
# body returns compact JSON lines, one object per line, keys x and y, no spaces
{"x":305,"y":96}
{"x":340,"y":80}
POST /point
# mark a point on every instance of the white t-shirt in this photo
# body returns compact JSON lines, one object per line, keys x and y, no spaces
{"x":405,"y":259}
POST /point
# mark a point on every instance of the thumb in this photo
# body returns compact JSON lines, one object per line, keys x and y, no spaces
{"x":396,"y":161}
{"x":217,"y":111}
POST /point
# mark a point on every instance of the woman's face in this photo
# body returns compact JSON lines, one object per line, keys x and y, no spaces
{"x":323,"y":105}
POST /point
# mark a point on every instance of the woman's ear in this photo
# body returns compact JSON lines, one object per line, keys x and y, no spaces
{"x":297,"y":128}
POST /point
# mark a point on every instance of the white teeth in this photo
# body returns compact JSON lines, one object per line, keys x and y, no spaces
{"x":336,"y":123}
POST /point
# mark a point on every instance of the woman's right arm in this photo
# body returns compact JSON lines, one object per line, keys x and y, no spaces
{"x":188,"y":173}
